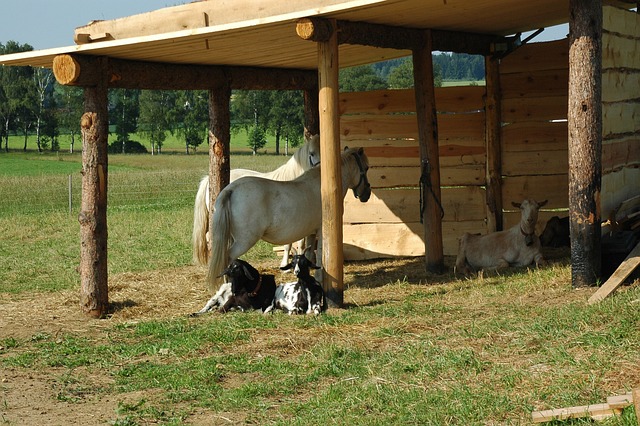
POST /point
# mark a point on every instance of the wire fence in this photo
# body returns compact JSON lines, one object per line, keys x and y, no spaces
{"x":134,"y":190}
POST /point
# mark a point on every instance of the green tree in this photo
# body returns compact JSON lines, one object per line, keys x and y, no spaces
{"x":154,"y":116}
{"x":189,"y":117}
{"x":18,"y":95}
{"x":70,"y":106}
{"x":124,"y":113}
{"x":286,"y":117}
{"x":257,"y":139}
{"x":44,"y":117}
{"x":359,"y":79}
{"x":401,"y":77}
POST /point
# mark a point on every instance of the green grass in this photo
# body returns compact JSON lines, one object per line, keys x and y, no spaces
{"x":150,"y":213}
{"x":433,"y":359}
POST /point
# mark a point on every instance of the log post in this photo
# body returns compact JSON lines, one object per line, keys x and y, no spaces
{"x":94,"y":126}
{"x":331,"y":167}
{"x":493,"y":143}
{"x":429,"y":154}
{"x":584,"y":121}
{"x":219,"y":140}
{"x":311,"y":112}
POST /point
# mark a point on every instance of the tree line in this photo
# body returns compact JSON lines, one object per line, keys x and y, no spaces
{"x":33,"y":103}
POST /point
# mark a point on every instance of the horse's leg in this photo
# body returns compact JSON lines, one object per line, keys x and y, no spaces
{"x":285,"y":256}
{"x":310,"y":241}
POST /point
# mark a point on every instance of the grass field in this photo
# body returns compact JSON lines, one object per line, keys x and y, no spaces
{"x":408,"y":348}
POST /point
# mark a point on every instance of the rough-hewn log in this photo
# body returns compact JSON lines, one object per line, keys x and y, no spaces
{"x":429,"y":154}
{"x":494,"y":145}
{"x":311,"y":112}
{"x":219,"y":140}
{"x":315,"y":29}
{"x":585,"y":139}
{"x":331,"y":164}
{"x":84,"y":70}
{"x":94,"y":125}
{"x":386,"y":36}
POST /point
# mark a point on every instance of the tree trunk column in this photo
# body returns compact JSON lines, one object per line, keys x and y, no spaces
{"x":94,"y":298}
{"x":429,"y":154}
{"x":331,"y":166}
{"x":585,"y":139}
{"x":493,"y":142}
{"x":219,"y":141}
{"x":311,"y":113}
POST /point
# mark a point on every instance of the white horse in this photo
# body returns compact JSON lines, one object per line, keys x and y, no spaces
{"x":251,"y":209}
{"x":305,"y":158}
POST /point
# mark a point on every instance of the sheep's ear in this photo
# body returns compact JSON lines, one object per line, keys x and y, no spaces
{"x":543,"y":203}
{"x":360,"y":151}
{"x":247,"y":272}
{"x":345,"y":148}
{"x":514,"y":204}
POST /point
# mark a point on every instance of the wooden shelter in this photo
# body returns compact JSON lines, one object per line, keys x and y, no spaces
{"x":301,"y":44}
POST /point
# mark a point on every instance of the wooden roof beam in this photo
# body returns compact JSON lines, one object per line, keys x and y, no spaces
{"x":86,"y":71}
{"x":390,"y":37}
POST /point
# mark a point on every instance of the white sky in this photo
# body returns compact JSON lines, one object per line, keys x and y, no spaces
{"x":50,"y":23}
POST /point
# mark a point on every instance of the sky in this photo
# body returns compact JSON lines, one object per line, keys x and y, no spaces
{"x":46,"y":24}
{"x":50,"y":23}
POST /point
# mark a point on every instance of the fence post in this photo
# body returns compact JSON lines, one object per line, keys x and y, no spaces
{"x":70,"y":194}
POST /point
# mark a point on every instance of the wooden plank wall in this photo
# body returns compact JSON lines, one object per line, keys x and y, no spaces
{"x":620,"y":107}
{"x":384,"y":123}
{"x":534,"y":82}
{"x":534,"y":85}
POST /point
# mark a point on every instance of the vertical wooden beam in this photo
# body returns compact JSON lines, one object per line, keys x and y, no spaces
{"x":493,"y":143}
{"x":331,"y":168}
{"x":584,"y":122}
{"x":311,"y":112}
{"x":94,"y":126}
{"x":429,"y":154}
{"x":219,"y":142}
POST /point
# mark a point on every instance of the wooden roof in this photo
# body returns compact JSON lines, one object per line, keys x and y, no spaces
{"x":262,"y":32}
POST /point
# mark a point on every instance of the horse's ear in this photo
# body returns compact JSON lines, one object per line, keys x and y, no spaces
{"x":514,"y":204}
{"x":542,"y":203}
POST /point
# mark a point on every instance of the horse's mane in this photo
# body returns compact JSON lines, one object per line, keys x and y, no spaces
{"x":296,"y":165}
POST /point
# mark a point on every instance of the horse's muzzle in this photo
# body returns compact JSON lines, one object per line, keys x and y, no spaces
{"x":365,"y":195}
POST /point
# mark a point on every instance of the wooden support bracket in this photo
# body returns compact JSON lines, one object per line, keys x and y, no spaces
{"x":624,"y":270}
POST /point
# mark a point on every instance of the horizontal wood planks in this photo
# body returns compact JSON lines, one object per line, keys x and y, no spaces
{"x":384,"y":123}
{"x":620,"y":107}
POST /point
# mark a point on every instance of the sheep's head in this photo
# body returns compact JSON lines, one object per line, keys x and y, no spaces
{"x":300,"y":265}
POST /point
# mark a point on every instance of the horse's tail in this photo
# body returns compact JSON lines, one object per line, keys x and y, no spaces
{"x":201,"y":224}
{"x":220,"y":238}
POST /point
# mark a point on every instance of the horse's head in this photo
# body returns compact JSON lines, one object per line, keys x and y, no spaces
{"x":313,"y":148}
{"x":358,"y":163}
